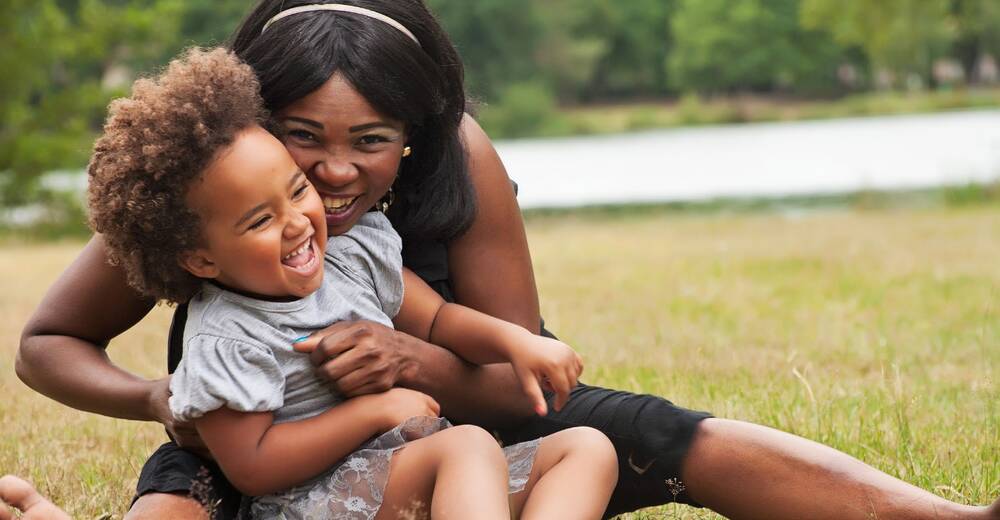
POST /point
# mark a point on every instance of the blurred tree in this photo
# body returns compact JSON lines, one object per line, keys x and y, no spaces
{"x":723,"y":45}
{"x":497,"y":40}
{"x":70,"y":58}
{"x":602,"y":49}
{"x":900,"y":36}
{"x":977,"y":24}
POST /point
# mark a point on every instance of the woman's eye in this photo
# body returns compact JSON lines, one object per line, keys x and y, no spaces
{"x":372,"y":139}
{"x":301,"y":135}
{"x":260,"y":222}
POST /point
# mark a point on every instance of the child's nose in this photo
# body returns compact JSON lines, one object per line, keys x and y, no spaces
{"x":297,"y":225}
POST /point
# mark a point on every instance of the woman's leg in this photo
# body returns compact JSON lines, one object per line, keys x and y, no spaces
{"x":166,"y":506}
{"x":175,"y":483}
{"x":743,"y":470}
{"x":461,"y":472}
{"x":573,"y":475}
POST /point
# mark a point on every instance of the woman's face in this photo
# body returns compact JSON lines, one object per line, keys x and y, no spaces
{"x":349,"y":151}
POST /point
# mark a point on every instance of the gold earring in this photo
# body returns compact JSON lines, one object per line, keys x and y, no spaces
{"x":407,"y":151}
{"x":386,"y":201}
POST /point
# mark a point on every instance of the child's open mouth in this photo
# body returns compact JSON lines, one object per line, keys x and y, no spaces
{"x":303,"y":259}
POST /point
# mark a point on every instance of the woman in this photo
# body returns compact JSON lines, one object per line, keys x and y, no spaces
{"x":462,"y":231}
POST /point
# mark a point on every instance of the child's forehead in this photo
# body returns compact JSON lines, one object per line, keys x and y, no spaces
{"x":255,"y":166}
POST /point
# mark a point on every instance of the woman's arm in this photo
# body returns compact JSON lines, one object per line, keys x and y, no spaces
{"x":62,"y":346}
{"x":260,"y":457}
{"x":490,"y":266}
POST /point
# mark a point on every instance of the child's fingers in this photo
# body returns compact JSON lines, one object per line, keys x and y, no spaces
{"x":532,"y":387}
{"x":18,"y":493}
{"x":5,"y":514}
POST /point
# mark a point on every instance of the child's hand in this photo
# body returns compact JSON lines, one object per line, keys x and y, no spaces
{"x":19,"y":494}
{"x":399,"y":404}
{"x":541,"y":362}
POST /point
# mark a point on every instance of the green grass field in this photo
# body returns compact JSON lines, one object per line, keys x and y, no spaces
{"x":875,"y":332}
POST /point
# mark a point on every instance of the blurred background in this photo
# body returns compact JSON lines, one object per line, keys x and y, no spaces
{"x":782,"y":211}
{"x":563,"y":68}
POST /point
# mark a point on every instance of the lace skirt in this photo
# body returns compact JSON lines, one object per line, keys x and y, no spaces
{"x":353,"y":489}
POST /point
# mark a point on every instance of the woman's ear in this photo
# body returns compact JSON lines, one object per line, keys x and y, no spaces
{"x":199,"y":263}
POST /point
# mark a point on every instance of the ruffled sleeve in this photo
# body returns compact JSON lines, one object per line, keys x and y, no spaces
{"x":373,"y":249}
{"x":217,"y":372}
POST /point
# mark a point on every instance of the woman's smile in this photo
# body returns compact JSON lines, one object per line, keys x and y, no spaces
{"x":339,"y":209}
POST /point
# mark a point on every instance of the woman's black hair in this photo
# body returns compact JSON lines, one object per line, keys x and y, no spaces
{"x":421,"y":86}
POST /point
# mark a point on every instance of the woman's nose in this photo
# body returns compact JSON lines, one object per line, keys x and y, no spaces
{"x":335,"y":171}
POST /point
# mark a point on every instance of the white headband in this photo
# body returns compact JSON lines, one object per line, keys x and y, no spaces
{"x":343,"y":8}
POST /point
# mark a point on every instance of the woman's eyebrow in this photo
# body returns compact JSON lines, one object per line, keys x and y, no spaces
{"x":310,"y":122}
{"x":366,"y":126}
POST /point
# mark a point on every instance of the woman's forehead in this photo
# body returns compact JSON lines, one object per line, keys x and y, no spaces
{"x":335,"y":104}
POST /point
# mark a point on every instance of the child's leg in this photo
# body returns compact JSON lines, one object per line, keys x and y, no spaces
{"x":460,"y":472}
{"x":574,"y":472}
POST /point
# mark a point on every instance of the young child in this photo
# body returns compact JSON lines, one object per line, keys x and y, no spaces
{"x":199,"y":203}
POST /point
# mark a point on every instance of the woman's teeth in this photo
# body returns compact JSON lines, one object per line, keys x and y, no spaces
{"x":335,"y":205}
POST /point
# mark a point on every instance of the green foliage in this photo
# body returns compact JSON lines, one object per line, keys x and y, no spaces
{"x":721,"y":45}
{"x":900,"y":36}
{"x":65,"y":59}
{"x":523,"y":109}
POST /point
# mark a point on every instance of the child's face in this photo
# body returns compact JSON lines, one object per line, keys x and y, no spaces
{"x":263,"y":227}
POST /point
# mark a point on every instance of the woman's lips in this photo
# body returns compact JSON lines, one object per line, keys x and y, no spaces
{"x":339,"y":209}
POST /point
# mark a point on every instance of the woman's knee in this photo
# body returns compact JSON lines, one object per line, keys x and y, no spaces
{"x":166,"y":506}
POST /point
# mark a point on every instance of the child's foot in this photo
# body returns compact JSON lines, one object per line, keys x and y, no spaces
{"x":17,"y":493}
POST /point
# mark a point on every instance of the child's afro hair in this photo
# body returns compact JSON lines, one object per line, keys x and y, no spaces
{"x":154,"y":145}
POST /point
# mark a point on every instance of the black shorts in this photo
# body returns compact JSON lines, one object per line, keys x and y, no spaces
{"x":172,"y":469}
{"x":650,"y":434}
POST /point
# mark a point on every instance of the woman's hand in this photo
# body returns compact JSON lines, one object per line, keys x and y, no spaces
{"x":541,"y":362}
{"x":359,"y":357}
{"x":399,"y":404}
{"x":183,"y":433}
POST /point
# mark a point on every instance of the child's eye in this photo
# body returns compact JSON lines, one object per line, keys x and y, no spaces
{"x":260,"y":222}
{"x":300,"y":192}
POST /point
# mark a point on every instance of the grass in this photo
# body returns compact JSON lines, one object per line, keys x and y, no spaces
{"x":875,"y":332}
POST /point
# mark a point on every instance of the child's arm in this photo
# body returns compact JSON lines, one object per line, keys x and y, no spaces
{"x":482,"y":339}
{"x":260,"y":457}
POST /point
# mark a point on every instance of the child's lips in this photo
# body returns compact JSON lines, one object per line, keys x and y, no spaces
{"x":302,"y":257}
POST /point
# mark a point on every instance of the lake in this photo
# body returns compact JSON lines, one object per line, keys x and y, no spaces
{"x":757,"y":160}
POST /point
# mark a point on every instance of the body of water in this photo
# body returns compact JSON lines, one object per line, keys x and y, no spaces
{"x":757,"y":160}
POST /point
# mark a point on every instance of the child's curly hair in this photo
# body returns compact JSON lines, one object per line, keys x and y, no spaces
{"x":154,"y":145}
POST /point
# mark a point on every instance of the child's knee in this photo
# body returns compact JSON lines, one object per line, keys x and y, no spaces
{"x":593,"y":444}
{"x":467,"y":439}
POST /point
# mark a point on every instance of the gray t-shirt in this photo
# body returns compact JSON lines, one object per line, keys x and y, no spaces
{"x":238,"y":350}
